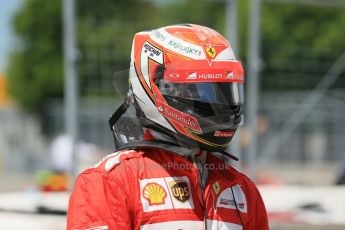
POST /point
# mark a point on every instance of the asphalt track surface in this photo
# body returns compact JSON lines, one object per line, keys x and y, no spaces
{"x":28,"y":221}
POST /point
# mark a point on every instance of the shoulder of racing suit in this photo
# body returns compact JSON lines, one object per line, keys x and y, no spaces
{"x":109,"y":162}
{"x":134,"y":150}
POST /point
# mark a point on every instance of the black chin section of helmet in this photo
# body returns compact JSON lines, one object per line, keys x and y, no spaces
{"x":209,"y":141}
{"x":219,"y":113}
{"x":127,"y":125}
{"x":218,"y":122}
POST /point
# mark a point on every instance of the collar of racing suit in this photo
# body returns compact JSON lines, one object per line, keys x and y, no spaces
{"x":195,"y":153}
{"x":197,"y":156}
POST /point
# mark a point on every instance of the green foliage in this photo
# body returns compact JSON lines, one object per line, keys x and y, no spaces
{"x":299,"y":42}
{"x":35,"y":68}
{"x":106,"y":32}
{"x":105,"y":37}
{"x":203,"y":12}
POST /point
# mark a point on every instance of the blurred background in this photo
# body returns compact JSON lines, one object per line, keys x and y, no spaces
{"x":54,"y":103}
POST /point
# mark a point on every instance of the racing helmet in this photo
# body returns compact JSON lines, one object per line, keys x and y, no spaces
{"x":186,"y":83}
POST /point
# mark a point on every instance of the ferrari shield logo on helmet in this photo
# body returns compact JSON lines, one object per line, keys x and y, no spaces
{"x":211,"y":51}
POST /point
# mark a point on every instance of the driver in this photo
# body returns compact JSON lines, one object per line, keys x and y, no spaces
{"x":186,"y":88}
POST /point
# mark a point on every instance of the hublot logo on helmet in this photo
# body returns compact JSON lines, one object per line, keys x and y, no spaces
{"x":211,"y":76}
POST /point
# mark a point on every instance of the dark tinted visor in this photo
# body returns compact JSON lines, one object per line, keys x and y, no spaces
{"x":228,"y":93}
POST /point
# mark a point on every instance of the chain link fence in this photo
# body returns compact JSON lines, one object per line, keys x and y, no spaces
{"x":289,"y":73}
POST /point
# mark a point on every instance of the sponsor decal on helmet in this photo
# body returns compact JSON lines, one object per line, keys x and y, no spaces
{"x":211,"y":51}
{"x":191,"y":76}
{"x":174,"y":75}
{"x":176,"y":115}
{"x":216,"y":187}
{"x":223,"y":134}
{"x":192,"y":134}
{"x":180,"y":190}
{"x":233,"y":198}
{"x":235,"y":78}
{"x":149,"y":54}
{"x":154,"y":194}
{"x":229,"y":74}
{"x":158,"y":35}
{"x":177,"y":45}
{"x":199,"y":71}
{"x":210,"y":76}
{"x":184,"y":48}
{"x":151,"y":49}
{"x":202,"y":76}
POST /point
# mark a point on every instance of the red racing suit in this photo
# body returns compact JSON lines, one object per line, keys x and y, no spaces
{"x":155,"y":189}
